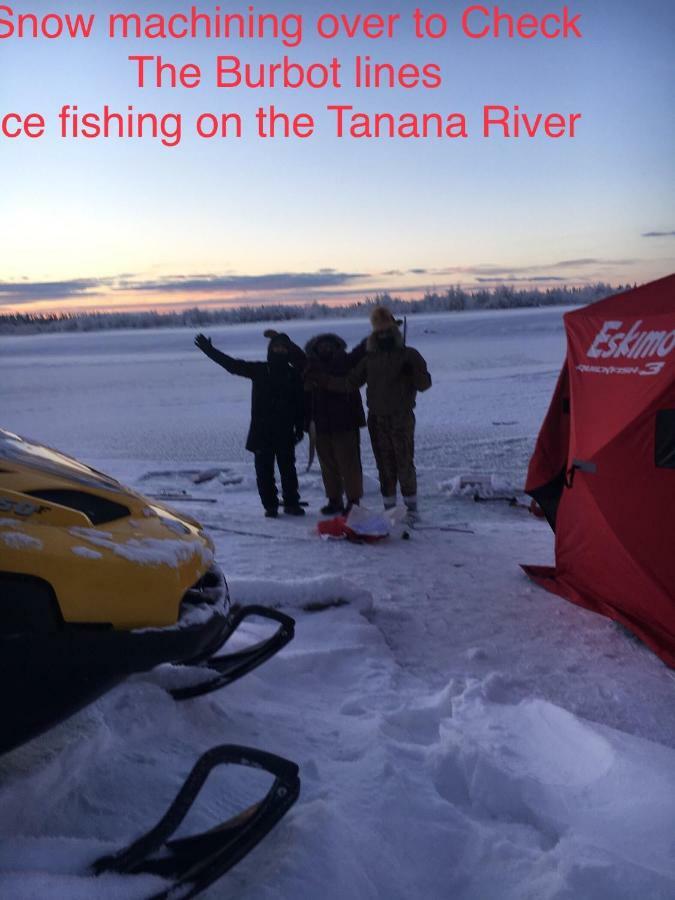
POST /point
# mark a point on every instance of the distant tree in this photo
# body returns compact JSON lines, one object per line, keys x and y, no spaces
{"x":453,"y":299}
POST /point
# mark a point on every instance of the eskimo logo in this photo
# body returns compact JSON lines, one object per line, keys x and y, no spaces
{"x":615,"y":341}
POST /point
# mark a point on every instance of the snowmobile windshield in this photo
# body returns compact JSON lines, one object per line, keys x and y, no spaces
{"x":16,"y":449}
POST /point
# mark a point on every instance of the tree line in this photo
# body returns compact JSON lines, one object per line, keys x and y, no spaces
{"x":453,"y":299}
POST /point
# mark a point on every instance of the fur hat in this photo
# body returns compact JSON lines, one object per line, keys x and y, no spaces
{"x":381,"y":319}
{"x":334,"y":339}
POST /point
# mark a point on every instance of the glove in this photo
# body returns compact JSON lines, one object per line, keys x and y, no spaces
{"x":407,"y":369}
{"x":204,"y":344}
{"x":269,"y":333}
{"x":299,"y":434}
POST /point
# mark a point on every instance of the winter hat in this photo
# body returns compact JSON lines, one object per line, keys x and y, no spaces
{"x":329,"y":337}
{"x":381,"y":319}
{"x":277,"y":340}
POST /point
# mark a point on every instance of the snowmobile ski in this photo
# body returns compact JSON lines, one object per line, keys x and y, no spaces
{"x":232,"y":666}
{"x":193,"y":863}
{"x":99,"y":583}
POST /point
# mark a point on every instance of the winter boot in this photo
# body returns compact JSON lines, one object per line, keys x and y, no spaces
{"x":295,"y":510}
{"x":271,"y":512}
{"x":412,"y":514}
{"x":333,"y":508}
{"x":389,"y":502}
{"x":350,"y":505}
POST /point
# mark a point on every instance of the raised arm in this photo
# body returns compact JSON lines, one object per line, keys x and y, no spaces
{"x":352,"y":381}
{"x":229,"y":363}
{"x":357,"y":353}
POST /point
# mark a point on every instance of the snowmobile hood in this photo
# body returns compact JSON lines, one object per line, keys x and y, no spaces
{"x":106,"y":554}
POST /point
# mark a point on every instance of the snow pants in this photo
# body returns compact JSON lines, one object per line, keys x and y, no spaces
{"x":284,"y":456}
{"x":340,"y":460}
{"x":393,"y":440}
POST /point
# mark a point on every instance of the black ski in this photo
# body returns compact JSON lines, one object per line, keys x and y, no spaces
{"x":232,"y":666}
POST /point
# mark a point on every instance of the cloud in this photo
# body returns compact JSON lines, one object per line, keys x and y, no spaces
{"x":653,"y":234}
{"x":512,"y":279}
{"x":25,"y":291}
{"x":15,"y":293}
{"x":130,"y":290}
{"x":490,"y":269}
{"x":209,"y":284}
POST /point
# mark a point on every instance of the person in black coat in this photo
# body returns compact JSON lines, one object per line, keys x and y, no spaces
{"x":277,"y":419}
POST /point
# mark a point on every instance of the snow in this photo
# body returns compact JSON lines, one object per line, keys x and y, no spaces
{"x":320,"y":591}
{"x":460,"y":732}
{"x":146,"y":551}
{"x":18,"y":541}
{"x":86,"y":553}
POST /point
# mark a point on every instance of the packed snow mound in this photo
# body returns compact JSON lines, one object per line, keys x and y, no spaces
{"x":553,"y":781}
{"x":309,"y":594}
{"x":466,"y":791}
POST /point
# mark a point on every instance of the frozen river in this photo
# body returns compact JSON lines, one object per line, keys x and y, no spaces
{"x":150,"y":395}
{"x":460,"y":732}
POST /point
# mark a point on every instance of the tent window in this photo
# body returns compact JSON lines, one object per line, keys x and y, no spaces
{"x":665,"y":439}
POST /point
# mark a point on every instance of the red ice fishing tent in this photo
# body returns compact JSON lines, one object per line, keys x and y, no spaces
{"x":603,"y":469}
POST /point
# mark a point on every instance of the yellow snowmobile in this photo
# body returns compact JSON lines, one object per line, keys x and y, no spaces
{"x":98,"y":583}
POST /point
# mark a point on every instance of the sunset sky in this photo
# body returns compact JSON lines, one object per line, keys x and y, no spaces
{"x":133,"y":224}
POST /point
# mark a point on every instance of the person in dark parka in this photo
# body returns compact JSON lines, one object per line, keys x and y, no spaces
{"x":277,"y":419}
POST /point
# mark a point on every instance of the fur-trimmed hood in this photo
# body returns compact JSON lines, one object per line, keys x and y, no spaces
{"x":335,"y":339}
{"x":394,"y":331}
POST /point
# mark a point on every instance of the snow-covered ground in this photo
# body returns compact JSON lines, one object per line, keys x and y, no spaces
{"x":460,"y":732}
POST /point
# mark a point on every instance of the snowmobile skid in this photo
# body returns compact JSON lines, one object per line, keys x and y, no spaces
{"x":98,"y":583}
{"x":80,"y":663}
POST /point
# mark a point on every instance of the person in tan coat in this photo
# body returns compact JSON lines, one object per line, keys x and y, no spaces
{"x":393,"y":374}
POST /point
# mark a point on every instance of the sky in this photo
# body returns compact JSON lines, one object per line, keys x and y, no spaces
{"x":133,"y":224}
